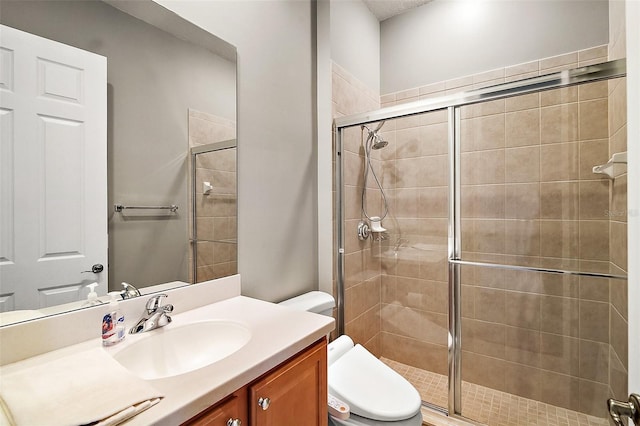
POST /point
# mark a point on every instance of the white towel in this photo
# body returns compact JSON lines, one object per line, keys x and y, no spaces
{"x":77,"y":389}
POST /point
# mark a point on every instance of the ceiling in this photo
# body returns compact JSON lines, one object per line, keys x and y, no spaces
{"x":384,"y":9}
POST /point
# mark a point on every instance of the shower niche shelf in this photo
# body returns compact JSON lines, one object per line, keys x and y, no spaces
{"x":616,"y":166}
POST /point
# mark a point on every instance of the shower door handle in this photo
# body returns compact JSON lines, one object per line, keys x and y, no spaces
{"x":619,"y":410}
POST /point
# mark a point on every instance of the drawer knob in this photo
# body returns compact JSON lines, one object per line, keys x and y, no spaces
{"x":264,"y":403}
{"x":234,"y":422}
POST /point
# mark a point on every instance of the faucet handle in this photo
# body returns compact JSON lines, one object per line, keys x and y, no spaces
{"x":154,"y":302}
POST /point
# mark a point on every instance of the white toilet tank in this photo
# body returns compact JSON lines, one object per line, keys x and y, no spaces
{"x":317,"y":302}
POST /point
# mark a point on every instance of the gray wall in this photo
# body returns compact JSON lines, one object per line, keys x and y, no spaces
{"x":355,"y":40}
{"x":445,"y":39}
{"x":149,"y":92}
{"x":277,"y":217}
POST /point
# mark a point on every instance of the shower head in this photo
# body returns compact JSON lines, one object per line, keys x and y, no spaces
{"x":378,"y":142}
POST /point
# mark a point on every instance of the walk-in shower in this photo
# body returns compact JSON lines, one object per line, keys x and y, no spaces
{"x":501,"y":286}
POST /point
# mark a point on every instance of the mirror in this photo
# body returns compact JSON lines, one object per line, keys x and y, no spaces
{"x":170,"y":86}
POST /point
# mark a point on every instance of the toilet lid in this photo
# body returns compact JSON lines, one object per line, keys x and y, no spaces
{"x":371,"y":388}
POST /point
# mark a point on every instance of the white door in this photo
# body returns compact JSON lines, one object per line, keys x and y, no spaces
{"x":53,"y":175}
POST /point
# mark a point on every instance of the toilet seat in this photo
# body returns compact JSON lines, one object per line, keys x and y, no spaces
{"x":371,"y":388}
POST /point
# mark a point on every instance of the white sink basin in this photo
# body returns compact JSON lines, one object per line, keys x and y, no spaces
{"x":167,"y":352}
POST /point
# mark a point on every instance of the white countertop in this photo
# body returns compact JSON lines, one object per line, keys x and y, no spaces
{"x":277,"y":334}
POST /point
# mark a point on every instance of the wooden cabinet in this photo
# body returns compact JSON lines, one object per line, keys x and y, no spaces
{"x":231,"y":409}
{"x":293,"y":393}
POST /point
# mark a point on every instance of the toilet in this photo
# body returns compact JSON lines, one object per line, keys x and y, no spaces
{"x":375,"y":393}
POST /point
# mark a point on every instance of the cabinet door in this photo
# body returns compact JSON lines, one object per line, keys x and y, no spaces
{"x":294,"y":393}
{"x":231,"y":409}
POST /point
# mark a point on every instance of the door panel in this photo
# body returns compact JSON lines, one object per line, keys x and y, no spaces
{"x":53,"y":219}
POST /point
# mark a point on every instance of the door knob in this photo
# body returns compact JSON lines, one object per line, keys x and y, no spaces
{"x":234,"y":422}
{"x":264,"y":403}
{"x":619,"y":410}
{"x":96,"y":269}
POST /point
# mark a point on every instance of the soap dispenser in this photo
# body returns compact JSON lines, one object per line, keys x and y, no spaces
{"x":113,"y":322}
{"x":92,"y":297}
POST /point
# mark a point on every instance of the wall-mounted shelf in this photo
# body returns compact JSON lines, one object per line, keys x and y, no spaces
{"x":615,"y":167}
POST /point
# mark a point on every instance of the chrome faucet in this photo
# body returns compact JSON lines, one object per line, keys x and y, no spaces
{"x":129,"y":291}
{"x":156,"y":316}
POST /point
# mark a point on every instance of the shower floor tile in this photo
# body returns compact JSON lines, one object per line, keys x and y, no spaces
{"x":491,"y":407}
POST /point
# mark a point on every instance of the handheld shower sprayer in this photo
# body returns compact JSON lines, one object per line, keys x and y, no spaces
{"x":375,"y":142}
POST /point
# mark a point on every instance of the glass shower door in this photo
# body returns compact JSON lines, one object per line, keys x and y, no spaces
{"x":542,"y":347}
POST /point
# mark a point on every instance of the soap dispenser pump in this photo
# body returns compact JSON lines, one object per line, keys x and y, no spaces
{"x":92,"y":297}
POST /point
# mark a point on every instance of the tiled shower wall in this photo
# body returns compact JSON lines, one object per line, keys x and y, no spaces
{"x":529,"y":198}
{"x":362,"y":261}
{"x":216,"y":213}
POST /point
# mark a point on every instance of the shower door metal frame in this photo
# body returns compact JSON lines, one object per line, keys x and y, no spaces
{"x":453,"y":103}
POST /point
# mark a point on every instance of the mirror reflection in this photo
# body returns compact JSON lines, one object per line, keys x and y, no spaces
{"x":118,"y":103}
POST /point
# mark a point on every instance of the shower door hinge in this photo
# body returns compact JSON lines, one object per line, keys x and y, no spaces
{"x":619,"y":410}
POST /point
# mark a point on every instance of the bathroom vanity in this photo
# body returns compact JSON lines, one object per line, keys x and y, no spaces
{"x":281,"y":366}
{"x":296,"y":389}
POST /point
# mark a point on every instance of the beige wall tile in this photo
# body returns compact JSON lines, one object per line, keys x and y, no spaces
{"x":522,"y":237}
{"x":559,"y":123}
{"x":522,"y":128}
{"x":523,"y":102}
{"x":418,"y":354}
{"x":596,"y":90}
{"x":522,"y":164}
{"x":591,"y":396}
{"x":434,"y":139}
{"x":594,"y":361}
{"x":522,"y":380}
{"x":594,"y":321}
{"x":618,"y":244}
{"x":484,"y":236}
{"x":522,"y":310}
{"x":559,"y":162}
{"x":486,"y":201}
{"x":592,"y":153}
{"x":483,"y":167}
{"x":482,"y":133}
{"x":559,"y":390}
{"x":482,"y":109}
{"x":433,"y":171}
{"x":433,"y":202}
{"x":564,"y":95}
{"x":559,"y":238}
{"x":619,"y":337}
{"x":490,"y":304}
{"x":618,"y":377}
{"x":522,"y":201}
{"x":594,"y":288}
{"x":485,"y":338}
{"x":594,"y":240}
{"x":594,"y":117}
{"x":559,"y":200}
{"x":559,"y":315}
{"x":594,"y":199}
{"x":523,"y":346}
{"x":559,"y":353}
{"x":567,"y":60}
{"x":483,"y":370}
{"x":619,"y":299}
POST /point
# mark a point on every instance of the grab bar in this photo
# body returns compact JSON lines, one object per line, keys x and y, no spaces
{"x":119,"y":207}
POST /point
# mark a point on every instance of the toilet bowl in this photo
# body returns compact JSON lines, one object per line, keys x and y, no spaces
{"x":375,"y":393}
